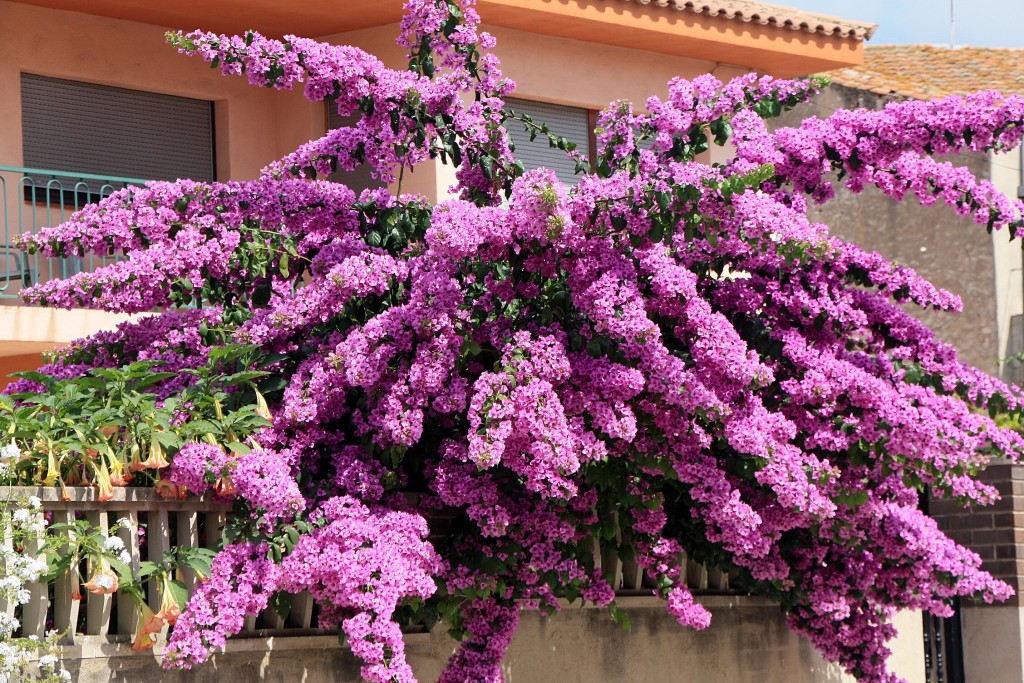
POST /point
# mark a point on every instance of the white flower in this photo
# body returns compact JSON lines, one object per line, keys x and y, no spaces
{"x":36,"y":525}
{"x":104,"y":581}
{"x":10,"y":452}
{"x":9,"y":583}
{"x":48,"y":662}
{"x":65,"y":675}
{"x":35,"y":502}
{"x":113,"y":544}
{"x":8,"y":624}
{"x":31,"y":569}
{"x":21,"y":516}
{"x":124,"y":556}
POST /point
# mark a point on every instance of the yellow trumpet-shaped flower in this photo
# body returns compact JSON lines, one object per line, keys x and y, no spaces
{"x":136,"y":462}
{"x":262,"y":409}
{"x":169,"y":607}
{"x":147,"y":627}
{"x":156,"y":460}
{"x":118,"y":475}
{"x":52,"y":473}
{"x":106,"y":488}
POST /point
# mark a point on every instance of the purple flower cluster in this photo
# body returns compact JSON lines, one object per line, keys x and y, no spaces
{"x":669,"y":355}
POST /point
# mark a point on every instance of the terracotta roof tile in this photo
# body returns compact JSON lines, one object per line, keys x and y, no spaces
{"x":771,"y":15}
{"x":926,"y":71}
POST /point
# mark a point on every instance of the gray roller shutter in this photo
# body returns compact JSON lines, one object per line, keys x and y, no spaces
{"x":359,"y":179}
{"x":572,"y":123}
{"x":88,"y":128}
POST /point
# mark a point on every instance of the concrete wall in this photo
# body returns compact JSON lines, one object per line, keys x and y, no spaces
{"x":748,"y":642}
{"x":950,"y":251}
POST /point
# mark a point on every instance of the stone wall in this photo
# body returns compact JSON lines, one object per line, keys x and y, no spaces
{"x":949,"y":250}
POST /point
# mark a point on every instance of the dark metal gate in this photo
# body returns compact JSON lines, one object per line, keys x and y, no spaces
{"x":943,"y":648}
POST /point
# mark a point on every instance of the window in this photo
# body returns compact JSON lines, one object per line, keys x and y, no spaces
{"x":572,"y":123}
{"x":360,"y":178}
{"x":96,"y":129}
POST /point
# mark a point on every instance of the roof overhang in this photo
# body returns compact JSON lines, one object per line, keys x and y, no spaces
{"x":674,"y":29}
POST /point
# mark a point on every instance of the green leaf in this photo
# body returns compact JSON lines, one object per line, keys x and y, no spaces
{"x":239,"y":448}
{"x":146,"y":569}
{"x":179,"y":593}
{"x":261,"y":295}
{"x":244,"y":376}
{"x":282,"y":604}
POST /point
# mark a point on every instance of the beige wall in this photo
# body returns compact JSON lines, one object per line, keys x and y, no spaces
{"x":748,"y":642}
{"x":1008,"y":282}
{"x":551,"y":69}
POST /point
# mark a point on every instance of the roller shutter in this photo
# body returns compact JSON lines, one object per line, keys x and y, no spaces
{"x":98,"y":129}
{"x":572,"y":123}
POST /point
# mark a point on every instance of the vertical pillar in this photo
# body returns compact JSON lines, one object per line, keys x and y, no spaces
{"x":993,"y":635}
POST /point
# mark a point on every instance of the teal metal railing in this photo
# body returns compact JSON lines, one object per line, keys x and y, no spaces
{"x":33,"y":198}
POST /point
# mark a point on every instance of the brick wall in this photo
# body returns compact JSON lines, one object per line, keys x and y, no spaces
{"x":995,"y":532}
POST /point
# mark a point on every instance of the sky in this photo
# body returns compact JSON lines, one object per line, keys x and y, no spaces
{"x":978,"y":23}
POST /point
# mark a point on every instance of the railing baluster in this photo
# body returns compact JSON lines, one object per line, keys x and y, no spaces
{"x":127,"y":615}
{"x":632,"y":576}
{"x":215,"y":521}
{"x":67,"y":597}
{"x":158,"y":542}
{"x":7,"y":530}
{"x":33,"y":621}
{"x":696,"y":576}
{"x":301,"y":615}
{"x":188,"y":537}
{"x":718,"y":580}
{"x":271,"y":618}
{"x":97,"y":615}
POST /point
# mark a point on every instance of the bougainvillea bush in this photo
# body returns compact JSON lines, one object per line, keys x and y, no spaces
{"x":666,"y":357}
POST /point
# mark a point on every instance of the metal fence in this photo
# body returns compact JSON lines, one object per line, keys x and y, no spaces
{"x":33,"y":198}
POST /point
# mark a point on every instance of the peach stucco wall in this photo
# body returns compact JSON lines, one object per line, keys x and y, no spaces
{"x":253,"y":126}
{"x":551,"y":69}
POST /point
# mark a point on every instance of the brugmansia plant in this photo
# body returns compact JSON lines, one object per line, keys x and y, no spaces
{"x":667,"y":357}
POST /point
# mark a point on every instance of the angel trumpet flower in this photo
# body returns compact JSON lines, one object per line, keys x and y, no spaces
{"x":106,"y":488}
{"x":169,"y":607}
{"x":136,"y":462}
{"x":52,"y":473}
{"x":146,"y":628}
{"x":156,"y":460}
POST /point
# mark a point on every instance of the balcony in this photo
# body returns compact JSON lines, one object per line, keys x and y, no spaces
{"x":33,"y":198}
